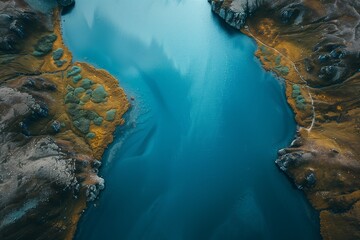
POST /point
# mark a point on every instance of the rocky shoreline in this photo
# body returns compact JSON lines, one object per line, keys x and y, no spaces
{"x":315,"y":47}
{"x":57,"y":117}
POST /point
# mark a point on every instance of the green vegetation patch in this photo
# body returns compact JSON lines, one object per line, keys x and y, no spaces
{"x":91,"y":115}
{"x":78,"y":91}
{"x":60,"y":63}
{"x":82,"y":124}
{"x":264,"y":50}
{"x":69,"y":88}
{"x":99,"y":94}
{"x":86,"y":83}
{"x":70,"y":97}
{"x":98,"y":121}
{"x":44,"y":45}
{"x":57,"y":54}
{"x":283,"y":70}
{"x":296,"y":87}
{"x":38,"y":54}
{"x":110,"y":115}
{"x":82,"y":118}
{"x":277,"y":60}
{"x":298,"y":97}
{"x":74,"y":71}
{"x":91,"y":135}
{"x":76,"y":78}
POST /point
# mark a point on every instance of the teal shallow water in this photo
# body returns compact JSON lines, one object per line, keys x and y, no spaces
{"x":195,"y":159}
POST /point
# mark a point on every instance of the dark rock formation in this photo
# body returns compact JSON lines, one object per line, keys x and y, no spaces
{"x":15,"y":25}
{"x":337,"y":49}
{"x":27,"y":164}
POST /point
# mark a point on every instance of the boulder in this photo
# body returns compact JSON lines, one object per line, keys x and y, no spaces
{"x":96,"y":164}
{"x":310,"y":180}
{"x":56,"y":126}
{"x":288,"y":160}
{"x":297,"y":142}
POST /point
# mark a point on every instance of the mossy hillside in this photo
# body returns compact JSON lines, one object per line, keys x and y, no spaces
{"x":329,"y":133}
{"x":275,"y":61}
{"x":278,"y":62}
{"x":298,"y":97}
{"x":90,"y":120}
{"x":90,"y":104}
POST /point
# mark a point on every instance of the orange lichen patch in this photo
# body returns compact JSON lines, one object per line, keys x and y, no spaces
{"x":266,"y":29}
{"x":27,"y":63}
{"x":291,"y":50}
{"x":116,"y":100}
{"x":69,"y":137}
{"x":281,"y":64}
{"x":73,"y":140}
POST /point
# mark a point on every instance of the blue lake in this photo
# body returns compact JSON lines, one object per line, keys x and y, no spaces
{"x":195,"y":159}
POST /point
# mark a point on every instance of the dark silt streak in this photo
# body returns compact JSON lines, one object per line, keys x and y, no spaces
{"x":195,"y":159}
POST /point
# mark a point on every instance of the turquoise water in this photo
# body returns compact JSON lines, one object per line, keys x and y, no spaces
{"x":195,"y":159}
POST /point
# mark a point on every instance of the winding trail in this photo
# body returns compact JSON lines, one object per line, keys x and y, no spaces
{"x":298,"y":72}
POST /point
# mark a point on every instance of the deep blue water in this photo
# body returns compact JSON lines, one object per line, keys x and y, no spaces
{"x":195,"y":160}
